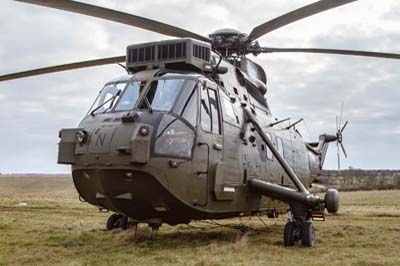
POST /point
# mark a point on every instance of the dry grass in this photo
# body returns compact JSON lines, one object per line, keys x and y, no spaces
{"x":54,"y":228}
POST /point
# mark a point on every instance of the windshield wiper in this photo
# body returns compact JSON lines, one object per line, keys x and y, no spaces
{"x":104,"y":103}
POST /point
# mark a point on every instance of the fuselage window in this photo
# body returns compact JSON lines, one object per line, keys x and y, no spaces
{"x":229,"y":113}
{"x":280,"y":145}
{"x":205,"y":111}
{"x":214,"y":111}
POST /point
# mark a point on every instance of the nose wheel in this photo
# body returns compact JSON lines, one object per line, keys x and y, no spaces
{"x":295,"y":232}
{"x":117,"y":221}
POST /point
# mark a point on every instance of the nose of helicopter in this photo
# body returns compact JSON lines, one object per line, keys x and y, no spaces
{"x":142,"y":194}
{"x":123,"y":191}
{"x":131,"y":164}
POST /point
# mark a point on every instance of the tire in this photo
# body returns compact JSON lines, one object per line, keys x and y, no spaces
{"x":123,"y":222}
{"x":308,"y":235}
{"x":332,"y":200}
{"x":112,"y":221}
{"x":288,"y":234}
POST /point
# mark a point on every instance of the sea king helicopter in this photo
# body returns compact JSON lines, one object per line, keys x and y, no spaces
{"x":188,"y":134}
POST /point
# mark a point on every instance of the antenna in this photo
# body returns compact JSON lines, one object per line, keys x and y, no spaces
{"x":278,"y":122}
{"x":295,"y":123}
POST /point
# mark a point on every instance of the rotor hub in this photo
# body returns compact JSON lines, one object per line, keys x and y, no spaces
{"x":231,"y":41}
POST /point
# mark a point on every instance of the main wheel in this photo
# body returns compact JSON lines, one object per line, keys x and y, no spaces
{"x":112,"y":221}
{"x":308,"y":235}
{"x":123,"y":222}
{"x":288,"y":234}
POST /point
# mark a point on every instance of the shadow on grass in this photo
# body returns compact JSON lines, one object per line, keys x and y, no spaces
{"x":182,"y":236}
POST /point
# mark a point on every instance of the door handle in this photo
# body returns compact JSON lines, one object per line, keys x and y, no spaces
{"x":217,"y":146}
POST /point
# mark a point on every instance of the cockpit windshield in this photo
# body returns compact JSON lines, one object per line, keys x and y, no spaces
{"x":130,"y":96}
{"x":162,"y":93}
{"x":106,"y":98}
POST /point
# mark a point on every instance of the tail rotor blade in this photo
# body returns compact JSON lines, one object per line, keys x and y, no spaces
{"x":337,"y":126}
{"x":338,"y":154}
{"x":344,"y":151}
{"x":341,"y":114}
{"x":344,"y":126}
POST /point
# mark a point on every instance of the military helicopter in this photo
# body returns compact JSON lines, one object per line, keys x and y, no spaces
{"x":188,"y":133}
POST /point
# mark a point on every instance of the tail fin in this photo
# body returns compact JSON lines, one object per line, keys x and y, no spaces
{"x":319,"y":150}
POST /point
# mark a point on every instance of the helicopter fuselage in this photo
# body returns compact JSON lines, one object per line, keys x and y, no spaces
{"x":187,"y":159}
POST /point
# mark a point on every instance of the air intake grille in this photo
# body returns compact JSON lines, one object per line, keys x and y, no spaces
{"x":178,"y":53}
{"x":142,"y":54}
{"x":171,"y":51}
{"x":201,"y":52}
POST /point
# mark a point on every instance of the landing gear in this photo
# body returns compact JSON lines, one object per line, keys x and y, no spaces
{"x":289,"y":238}
{"x":154,"y":228}
{"x":117,"y":221}
{"x":112,"y":221}
{"x":295,"y":231}
{"x":308,"y":234}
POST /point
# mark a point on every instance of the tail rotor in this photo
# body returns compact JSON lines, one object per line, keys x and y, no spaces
{"x":339,"y":136}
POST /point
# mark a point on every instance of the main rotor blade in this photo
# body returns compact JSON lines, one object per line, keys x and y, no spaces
{"x":328,"y":51}
{"x":52,"y":69}
{"x":295,"y":15}
{"x":117,"y":16}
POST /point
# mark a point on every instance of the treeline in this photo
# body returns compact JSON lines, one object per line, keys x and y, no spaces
{"x":358,"y":179}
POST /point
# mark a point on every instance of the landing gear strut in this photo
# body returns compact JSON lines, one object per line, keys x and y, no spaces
{"x":154,"y":228}
{"x":123,"y":222}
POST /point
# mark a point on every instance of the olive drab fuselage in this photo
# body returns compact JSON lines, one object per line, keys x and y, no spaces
{"x":175,"y":165}
{"x":189,"y":135}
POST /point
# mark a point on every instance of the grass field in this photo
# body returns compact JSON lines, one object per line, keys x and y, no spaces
{"x":42,"y":222}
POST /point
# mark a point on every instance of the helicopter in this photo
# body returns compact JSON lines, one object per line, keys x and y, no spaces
{"x":188,"y":133}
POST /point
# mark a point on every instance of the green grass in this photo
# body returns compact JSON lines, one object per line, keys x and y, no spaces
{"x":56,"y":229}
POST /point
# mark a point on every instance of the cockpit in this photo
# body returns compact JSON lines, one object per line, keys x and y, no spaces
{"x":166,"y":102}
{"x":167,"y":94}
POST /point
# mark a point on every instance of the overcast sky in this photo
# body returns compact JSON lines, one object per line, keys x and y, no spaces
{"x":32,"y":110}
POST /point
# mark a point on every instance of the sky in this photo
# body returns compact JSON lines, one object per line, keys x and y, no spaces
{"x":313,"y":87}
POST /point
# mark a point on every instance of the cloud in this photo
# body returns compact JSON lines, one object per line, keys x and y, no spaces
{"x":300,"y":85}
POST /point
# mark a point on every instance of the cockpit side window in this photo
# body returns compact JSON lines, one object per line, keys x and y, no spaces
{"x":214,"y":106}
{"x":162,"y":94}
{"x":205,"y":111}
{"x":130,"y":96}
{"x":190,"y":110}
{"x":183,"y":97}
